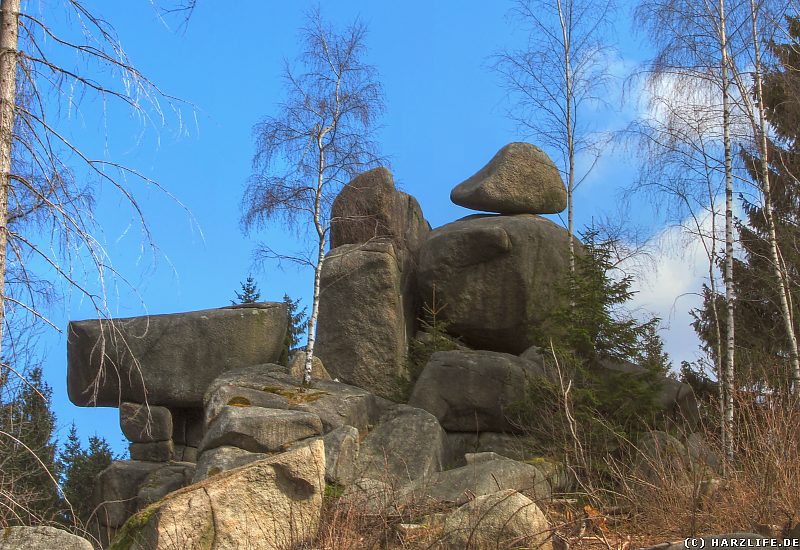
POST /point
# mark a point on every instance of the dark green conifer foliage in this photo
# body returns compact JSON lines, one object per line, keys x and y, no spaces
{"x":28,"y":465}
{"x":80,"y":468}
{"x":761,"y":341}
{"x":296,"y":329}
{"x":249,"y":294}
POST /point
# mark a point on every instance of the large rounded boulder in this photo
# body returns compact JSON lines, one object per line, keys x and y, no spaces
{"x":497,"y":277}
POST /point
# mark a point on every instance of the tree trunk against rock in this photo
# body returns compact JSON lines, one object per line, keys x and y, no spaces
{"x":9,"y":27}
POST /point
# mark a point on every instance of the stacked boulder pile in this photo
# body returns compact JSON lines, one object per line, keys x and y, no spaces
{"x":230,"y":449}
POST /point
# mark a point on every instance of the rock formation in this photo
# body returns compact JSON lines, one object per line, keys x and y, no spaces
{"x":231,"y":450}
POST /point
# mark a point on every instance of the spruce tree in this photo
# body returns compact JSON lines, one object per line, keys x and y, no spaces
{"x":28,"y":465}
{"x":296,"y":328}
{"x":80,"y":468}
{"x":249,"y":294}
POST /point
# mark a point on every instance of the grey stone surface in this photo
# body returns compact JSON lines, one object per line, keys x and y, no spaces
{"x":163,"y":481}
{"x":157,"y":451}
{"x":259,"y":430}
{"x":498,"y":275}
{"x":474,"y":391}
{"x":370,"y":207}
{"x":230,"y":395}
{"x":298,"y":366}
{"x":341,"y":455}
{"x":41,"y":538}
{"x":502,"y":520}
{"x":143,"y":424}
{"x":406,"y":444}
{"x":116,"y":489}
{"x":337,"y":404}
{"x":271,"y":504}
{"x":178,"y":354}
{"x":701,"y":453}
{"x":221,"y":459}
{"x":361,"y":336}
{"x":520,"y":179}
{"x":481,"y":478}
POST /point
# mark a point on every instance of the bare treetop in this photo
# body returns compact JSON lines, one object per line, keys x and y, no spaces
{"x":332,"y":101}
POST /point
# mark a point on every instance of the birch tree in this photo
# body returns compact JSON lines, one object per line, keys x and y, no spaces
{"x":556,"y":78}
{"x":320,"y":138}
{"x":694,"y":48}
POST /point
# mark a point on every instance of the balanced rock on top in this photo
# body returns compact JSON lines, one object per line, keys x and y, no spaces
{"x":520,"y":179}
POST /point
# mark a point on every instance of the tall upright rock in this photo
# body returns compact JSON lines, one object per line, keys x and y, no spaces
{"x":368,"y":304}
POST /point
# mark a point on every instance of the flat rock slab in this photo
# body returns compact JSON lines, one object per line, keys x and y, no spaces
{"x":271,"y":504}
{"x":170,"y":358}
{"x":41,"y":538}
{"x":221,"y":459}
{"x":260,"y":430}
{"x":520,"y":179}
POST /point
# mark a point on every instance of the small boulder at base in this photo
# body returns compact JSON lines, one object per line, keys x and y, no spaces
{"x":41,"y":538}
{"x":480,"y":478}
{"x":498,"y":275}
{"x":520,"y":179}
{"x":406,"y":444}
{"x":271,"y":504}
{"x":169,"y":359}
{"x":116,"y":488}
{"x":502,"y":520}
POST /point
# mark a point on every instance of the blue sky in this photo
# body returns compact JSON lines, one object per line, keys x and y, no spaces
{"x":445,"y":118}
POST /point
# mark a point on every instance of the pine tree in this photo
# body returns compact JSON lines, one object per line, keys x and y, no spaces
{"x":296,"y":329}
{"x":249,"y":294}
{"x":28,"y":465}
{"x":590,"y":319}
{"x":80,"y":468}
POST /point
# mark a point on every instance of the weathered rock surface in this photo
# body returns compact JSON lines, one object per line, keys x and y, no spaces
{"x":513,"y":446}
{"x":163,"y":481}
{"x":701,"y":453}
{"x":221,"y":459}
{"x":498,"y":276}
{"x":370,"y":207}
{"x":474,"y":391}
{"x":269,"y":504}
{"x":143,"y":424}
{"x":260,"y":430}
{"x":337,"y":404}
{"x":361,"y":336}
{"x":117,"y":487}
{"x":369,"y":496}
{"x":157,"y":451}
{"x":406,"y":444}
{"x":187,"y":426}
{"x":41,"y":538}
{"x":341,"y":455}
{"x":483,"y":477}
{"x":229,"y":395}
{"x":298,"y":366}
{"x":503,"y":520}
{"x":520,"y":179}
{"x":178,"y":354}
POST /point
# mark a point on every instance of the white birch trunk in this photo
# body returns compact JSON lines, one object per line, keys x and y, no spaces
{"x":728,"y":381}
{"x":9,"y":43}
